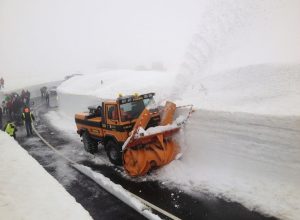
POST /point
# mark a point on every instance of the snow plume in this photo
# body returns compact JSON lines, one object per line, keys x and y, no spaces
{"x":238,"y":42}
{"x":233,"y":34}
{"x":221,"y":20}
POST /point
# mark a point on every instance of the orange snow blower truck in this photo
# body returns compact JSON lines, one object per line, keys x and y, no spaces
{"x":133,"y":134}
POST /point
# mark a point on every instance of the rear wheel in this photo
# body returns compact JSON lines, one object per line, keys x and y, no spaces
{"x":89,"y":144}
{"x":114,"y":152}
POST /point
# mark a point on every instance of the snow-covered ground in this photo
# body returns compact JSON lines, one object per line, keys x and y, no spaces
{"x":119,"y":192}
{"x":251,"y":159}
{"x":248,"y":158}
{"x":22,"y":81}
{"x":33,"y":88}
{"x":258,"y":89}
{"x":27,"y":191}
{"x":88,"y":90}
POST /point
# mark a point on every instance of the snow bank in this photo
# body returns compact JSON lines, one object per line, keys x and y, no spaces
{"x":79,"y":92}
{"x":19,"y":81}
{"x":34,"y":89}
{"x":28,"y":192}
{"x":118,"y":191}
{"x":71,"y":103}
{"x":115,"y":82}
{"x":250,"y":159}
{"x":259,"y":89}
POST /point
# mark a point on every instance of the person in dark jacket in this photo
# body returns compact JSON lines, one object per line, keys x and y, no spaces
{"x":28,"y":118}
{"x":1,"y":83}
{"x":27,"y":95}
{"x":1,"y":113}
{"x":47,"y":98}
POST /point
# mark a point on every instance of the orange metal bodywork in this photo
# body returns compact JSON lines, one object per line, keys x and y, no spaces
{"x":99,"y":131}
{"x":145,"y":153}
{"x":96,"y":131}
{"x":141,"y":153}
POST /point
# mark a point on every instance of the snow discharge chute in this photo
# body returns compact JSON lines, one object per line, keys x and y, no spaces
{"x":143,"y":151}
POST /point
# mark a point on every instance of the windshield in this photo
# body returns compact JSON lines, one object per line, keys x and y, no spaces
{"x":132,"y":110}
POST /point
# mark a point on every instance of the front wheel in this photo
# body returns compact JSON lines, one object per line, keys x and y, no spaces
{"x":114,"y":153}
{"x":89,"y":144}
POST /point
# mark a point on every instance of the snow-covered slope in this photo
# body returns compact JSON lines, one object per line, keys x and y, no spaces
{"x":246,"y":158}
{"x":27,"y":191}
{"x":79,"y":92}
{"x":110,"y":84}
{"x":259,"y":89}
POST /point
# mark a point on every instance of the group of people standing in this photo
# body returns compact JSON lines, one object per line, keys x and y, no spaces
{"x":17,"y":110}
{"x":13,"y":104}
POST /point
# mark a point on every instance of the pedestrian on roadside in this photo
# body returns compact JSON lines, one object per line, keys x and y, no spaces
{"x":1,"y":83}
{"x":1,"y":114}
{"x":3,"y":107}
{"x":47,"y":98}
{"x":9,"y":106}
{"x":28,"y":118}
{"x":10,"y":129}
{"x":27,"y":94}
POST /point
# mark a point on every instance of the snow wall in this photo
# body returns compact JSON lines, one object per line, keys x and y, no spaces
{"x":28,"y":191}
{"x":267,"y":89}
{"x":33,"y":89}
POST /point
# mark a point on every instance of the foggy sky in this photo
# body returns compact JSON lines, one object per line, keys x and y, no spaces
{"x":40,"y":39}
{"x":54,"y":36}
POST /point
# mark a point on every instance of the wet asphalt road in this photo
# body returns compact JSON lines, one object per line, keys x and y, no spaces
{"x":99,"y":203}
{"x":102,"y":205}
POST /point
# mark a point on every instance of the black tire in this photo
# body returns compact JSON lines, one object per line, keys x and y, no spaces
{"x":89,"y":144}
{"x":114,"y":153}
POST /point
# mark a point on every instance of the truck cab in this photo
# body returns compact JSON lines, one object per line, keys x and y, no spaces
{"x":111,"y":122}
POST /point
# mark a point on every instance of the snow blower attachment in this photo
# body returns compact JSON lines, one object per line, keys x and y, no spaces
{"x":133,"y":133}
{"x":143,"y":152}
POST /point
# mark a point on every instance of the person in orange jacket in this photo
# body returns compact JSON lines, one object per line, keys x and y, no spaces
{"x":28,"y":118}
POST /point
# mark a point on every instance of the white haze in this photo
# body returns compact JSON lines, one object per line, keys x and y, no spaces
{"x":42,"y":40}
{"x":46,"y":40}
{"x":241,"y":33}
